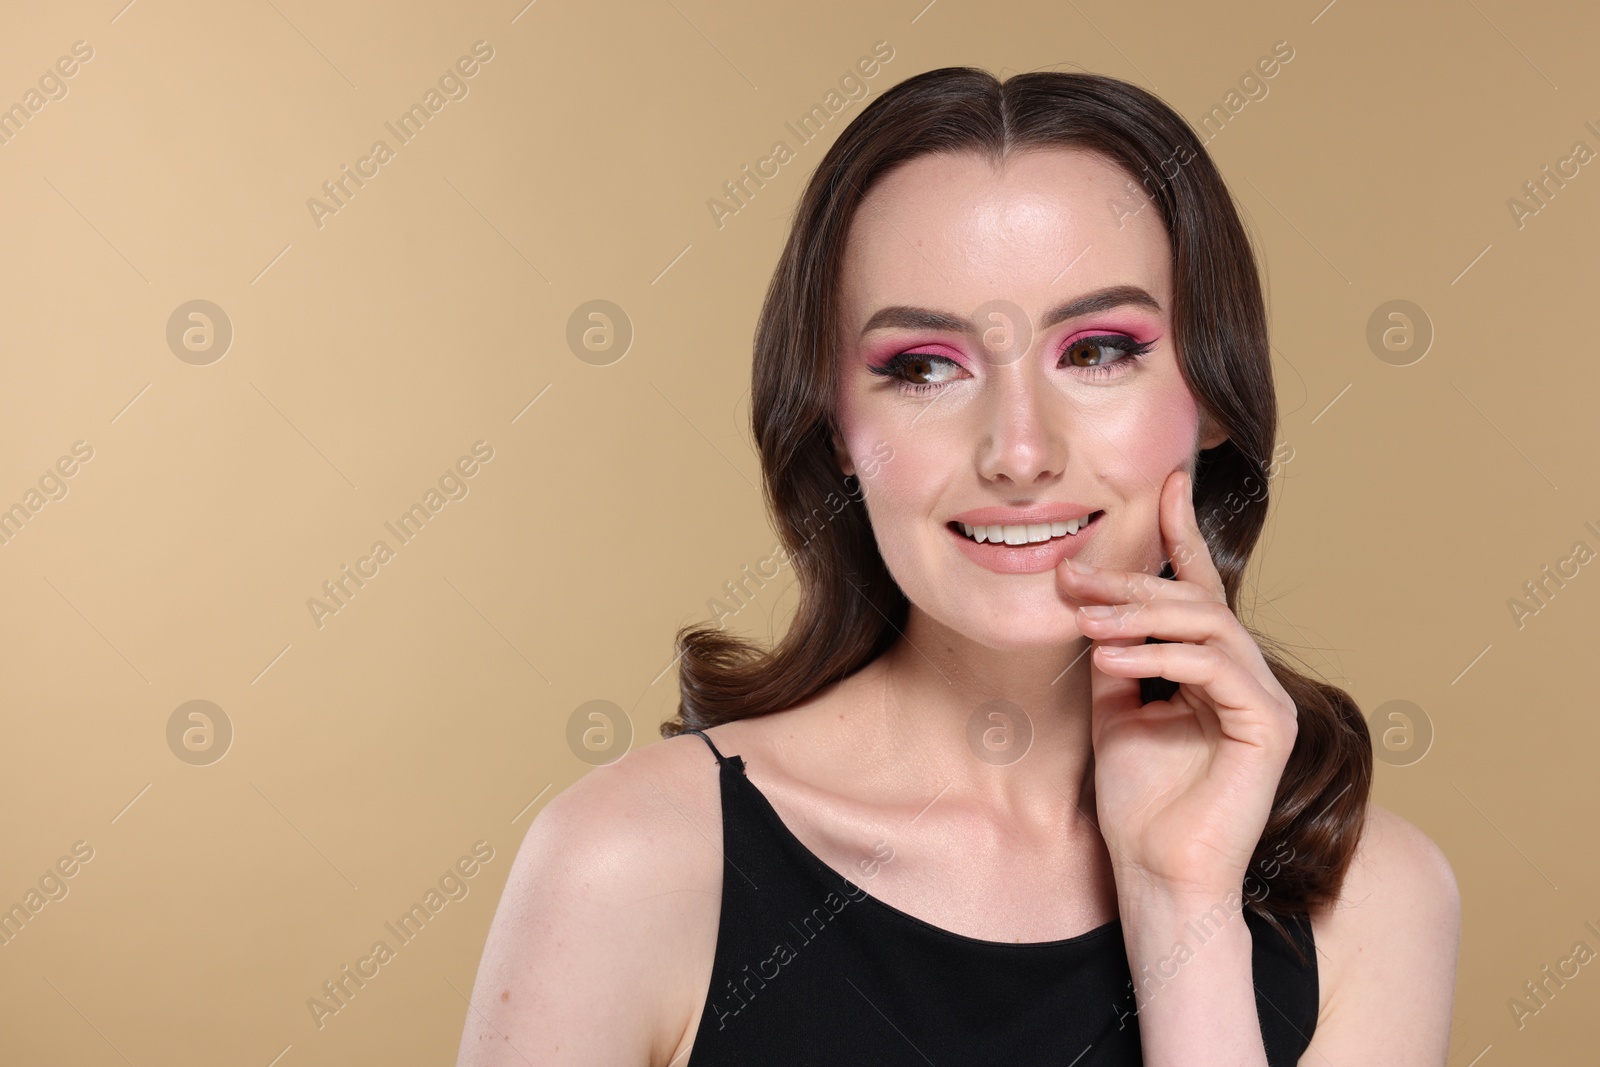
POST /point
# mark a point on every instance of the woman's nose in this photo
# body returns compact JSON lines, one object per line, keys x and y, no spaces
{"x":1023,"y":433}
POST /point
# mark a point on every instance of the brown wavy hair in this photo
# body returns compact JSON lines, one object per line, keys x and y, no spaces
{"x":849,"y":608}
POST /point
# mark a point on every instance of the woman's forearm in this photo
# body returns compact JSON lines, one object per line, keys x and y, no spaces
{"x":1193,"y":979}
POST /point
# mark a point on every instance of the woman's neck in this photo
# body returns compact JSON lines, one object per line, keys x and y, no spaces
{"x":1008,"y":729}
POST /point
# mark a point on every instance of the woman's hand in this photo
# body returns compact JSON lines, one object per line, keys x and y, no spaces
{"x":1183,"y":787}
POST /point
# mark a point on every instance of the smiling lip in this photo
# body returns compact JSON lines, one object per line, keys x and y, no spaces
{"x":1024,"y":516}
{"x":1029,"y":558}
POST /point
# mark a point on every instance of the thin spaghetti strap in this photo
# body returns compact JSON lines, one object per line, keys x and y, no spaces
{"x":721,"y":759}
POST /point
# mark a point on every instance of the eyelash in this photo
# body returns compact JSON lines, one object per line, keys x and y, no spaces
{"x":1132,"y":352}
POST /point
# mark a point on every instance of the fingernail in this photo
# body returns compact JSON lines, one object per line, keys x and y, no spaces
{"x":1080,"y":566}
{"x":1112,"y":650}
{"x":1098,"y":611}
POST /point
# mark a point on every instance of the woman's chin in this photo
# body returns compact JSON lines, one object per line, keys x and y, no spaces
{"x":1016,"y":623}
{"x":1024,"y":637}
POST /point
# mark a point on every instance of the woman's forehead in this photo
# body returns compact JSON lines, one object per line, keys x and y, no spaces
{"x":952,"y":229}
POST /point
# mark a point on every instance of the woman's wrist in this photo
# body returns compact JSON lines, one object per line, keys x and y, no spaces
{"x":1190,"y":955}
{"x":1157,"y":920}
{"x":1138,"y":885}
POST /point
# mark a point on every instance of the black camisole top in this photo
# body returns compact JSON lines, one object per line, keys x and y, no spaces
{"x":812,"y":970}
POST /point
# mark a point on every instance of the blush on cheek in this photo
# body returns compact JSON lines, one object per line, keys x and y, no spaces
{"x":875,"y":445}
{"x":892,"y":470}
{"x":1143,"y":451}
{"x":879,"y":464}
{"x":1158,"y":439}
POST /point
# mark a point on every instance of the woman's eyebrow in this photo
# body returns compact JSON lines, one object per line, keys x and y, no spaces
{"x":913,"y":318}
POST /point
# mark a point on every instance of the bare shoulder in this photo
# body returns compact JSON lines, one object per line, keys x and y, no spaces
{"x":608,"y":915}
{"x":1387,"y":950}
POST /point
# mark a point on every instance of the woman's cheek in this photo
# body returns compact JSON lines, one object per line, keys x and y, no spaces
{"x":887,"y":469}
{"x":1146,"y":451}
{"x":1155,"y":440}
{"x":877,"y":450}
{"x":899,"y":486}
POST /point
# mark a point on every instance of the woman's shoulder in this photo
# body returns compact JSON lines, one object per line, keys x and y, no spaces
{"x":609,"y":912}
{"x":1387,"y":947}
{"x":1399,"y":880}
{"x":648,"y":821}
{"x":638,"y":813}
{"x":644,"y":786}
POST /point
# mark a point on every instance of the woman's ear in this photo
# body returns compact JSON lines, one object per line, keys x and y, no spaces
{"x":841,"y":454}
{"x":1211,"y":432}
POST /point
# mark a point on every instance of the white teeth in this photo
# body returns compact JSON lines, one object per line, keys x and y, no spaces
{"x":1022,"y":535}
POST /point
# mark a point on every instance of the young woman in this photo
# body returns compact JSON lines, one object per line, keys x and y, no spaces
{"x":1016,"y":786}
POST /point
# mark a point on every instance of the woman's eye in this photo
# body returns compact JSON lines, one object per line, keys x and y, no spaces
{"x":919,"y":369}
{"x":918,"y":366}
{"x":1101,"y":356}
{"x":1092,"y":351}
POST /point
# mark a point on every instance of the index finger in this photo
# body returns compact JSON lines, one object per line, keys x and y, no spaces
{"x":1180,"y":534}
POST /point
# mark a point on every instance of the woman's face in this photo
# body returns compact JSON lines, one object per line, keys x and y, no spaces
{"x":953,"y":277}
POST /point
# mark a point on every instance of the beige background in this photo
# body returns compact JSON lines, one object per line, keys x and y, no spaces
{"x":431,"y":311}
